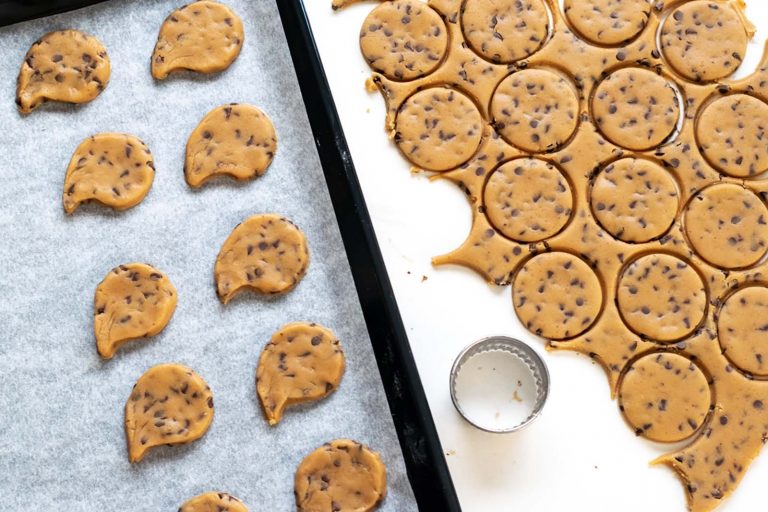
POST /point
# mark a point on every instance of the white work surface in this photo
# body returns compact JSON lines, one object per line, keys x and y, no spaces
{"x":579,"y":455}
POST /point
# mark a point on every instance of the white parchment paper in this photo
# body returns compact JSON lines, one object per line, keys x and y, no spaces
{"x":62,"y":445}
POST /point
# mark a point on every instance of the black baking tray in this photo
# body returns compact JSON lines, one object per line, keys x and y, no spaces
{"x":422,"y":452}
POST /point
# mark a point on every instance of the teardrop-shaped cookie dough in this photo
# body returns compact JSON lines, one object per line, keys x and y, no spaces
{"x":266,"y":253}
{"x":66,"y":65}
{"x":237,"y":140}
{"x":302,"y":363}
{"x":203,"y":36}
{"x":114,"y":169}
{"x":134,"y":301}
{"x":170,"y":404}
{"x":342,"y":475}
{"x":213,"y":502}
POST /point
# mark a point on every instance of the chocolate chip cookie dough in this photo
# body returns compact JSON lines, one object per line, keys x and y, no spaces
{"x":607,"y":22}
{"x":504,"y":32}
{"x":438,"y":129}
{"x":66,"y":65}
{"x":665,"y":397}
{"x":662,"y":297}
{"x":705,"y":39}
{"x":266,"y":253}
{"x":213,"y":502}
{"x":528,"y":199}
{"x":342,"y":475}
{"x":133,"y":301}
{"x":535,"y":110}
{"x":303,"y":362}
{"x":170,"y":404}
{"x":113,"y":169}
{"x":732,"y":132}
{"x":403,"y":39}
{"x":727,"y":225}
{"x":742,"y":324}
{"x":236,"y":140}
{"x":635,"y":108}
{"x":635,"y":200}
{"x":656,"y":127}
{"x":557,"y":295}
{"x":203,"y":36}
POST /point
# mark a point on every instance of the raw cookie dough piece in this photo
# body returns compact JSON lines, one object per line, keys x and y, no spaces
{"x":438,"y":129}
{"x":607,"y":21}
{"x":169,"y":404}
{"x":732,"y":133}
{"x":403,"y":39}
{"x":727,"y":225}
{"x":664,"y":397}
{"x":528,"y":199}
{"x":213,"y":502}
{"x":266,"y":253}
{"x":635,"y":108}
{"x":301,"y":363}
{"x":704,"y":40}
{"x":66,"y":65}
{"x":507,"y":30}
{"x":635,"y":200}
{"x":203,"y":36}
{"x":556,"y":295}
{"x":535,"y":110}
{"x":343,"y":476}
{"x":114,"y":169}
{"x":134,"y":301}
{"x":742,"y":327}
{"x":237,"y":140}
{"x":662,"y":297}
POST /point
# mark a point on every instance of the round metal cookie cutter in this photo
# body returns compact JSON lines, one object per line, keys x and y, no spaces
{"x":499,"y":384}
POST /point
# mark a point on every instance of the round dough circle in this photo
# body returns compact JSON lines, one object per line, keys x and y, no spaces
{"x":438,"y":129}
{"x":704,"y":40}
{"x":535,"y":110}
{"x":741,"y":328}
{"x":731,"y":132}
{"x":635,"y":200}
{"x":635,"y":108}
{"x":662,"y":297}
{"x":665,"y":397}
{"x":213,"y":502}
{"x":505,"y":31}
{"x":403,"y":39}
{"x":607,"y":22}
{"x":727,"y":225}
{"x":340,"y":475}
{"x":557,"y":295}
{"x":528,"y":200}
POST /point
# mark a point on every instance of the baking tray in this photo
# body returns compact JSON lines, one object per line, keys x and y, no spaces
{"x":421,"y":452}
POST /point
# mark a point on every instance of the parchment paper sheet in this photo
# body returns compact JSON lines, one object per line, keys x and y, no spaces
{"x":62,"y":445}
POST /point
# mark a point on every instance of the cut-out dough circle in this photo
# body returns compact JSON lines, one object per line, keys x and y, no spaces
{"x":665,"y":397}
{"x":607,"y":22}
{"x":704,"y":40}
{"x":438,"y":129}
{"x":727,"y":225}
{"x":742,"y":328}
{"x":507,"y":31}
{"x":536,"y":110}
{"x":634,"y":199}
{"x":732,"y":134}
{"x":213,"y":502}
{"x":635,"y":108}
{"x":661,"y":296}
{"x":528,"y":199}
{"x":557,"y":295}
{"x":403,"y":39}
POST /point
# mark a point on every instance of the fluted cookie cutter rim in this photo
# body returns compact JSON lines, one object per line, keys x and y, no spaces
{"x":517,"y":348}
